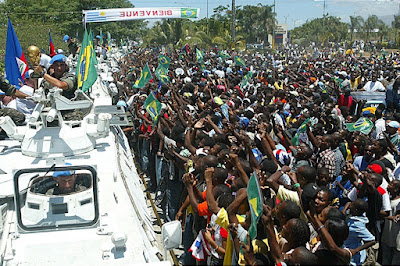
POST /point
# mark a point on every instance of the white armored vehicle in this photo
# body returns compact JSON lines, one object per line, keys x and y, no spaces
{"x":106,"y":220}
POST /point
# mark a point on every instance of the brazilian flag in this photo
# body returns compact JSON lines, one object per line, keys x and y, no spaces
{"x":202,"y":66}
{"x":295,"y":140}
{"x":223,"y":55}
{"x":86,"y":67}
{"x":164,"y":60}
{"x":162,"y":74}
{"x":189,"y":13}
{"x":153,"y":107}
{"x":164,"y":79}
{"x":255,"y":202}
{"x":364,"y":125}
{"x":199,"y":55}
{"x":239,"y":61}
{"x":246,"y":79}
{"x":145,"y":77}
{"x":181,"y":56}
{"x":161,"y":70}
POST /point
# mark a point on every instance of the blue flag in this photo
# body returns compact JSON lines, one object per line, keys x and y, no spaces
{"x":16,"y":65}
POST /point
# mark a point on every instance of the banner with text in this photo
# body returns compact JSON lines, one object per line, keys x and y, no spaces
{"x":120,"y":14}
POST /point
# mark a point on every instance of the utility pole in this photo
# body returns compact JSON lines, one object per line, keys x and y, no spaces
{"x":323,"y":17}
{"x":273,"y":30}
{"x":233,"y":23}
{"x":208,"y":31}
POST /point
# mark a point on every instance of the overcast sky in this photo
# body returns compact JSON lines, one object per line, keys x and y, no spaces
{"x":294,"y":12}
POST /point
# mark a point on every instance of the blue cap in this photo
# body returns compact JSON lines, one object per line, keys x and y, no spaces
{"x":63,"y":173}
{"x":66,"y":38}
{"x":58,"y":58}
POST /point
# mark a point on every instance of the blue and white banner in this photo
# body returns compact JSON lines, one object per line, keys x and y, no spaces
{"x":120,"y":14}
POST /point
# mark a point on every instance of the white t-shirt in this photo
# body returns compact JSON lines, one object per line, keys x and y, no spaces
{"x":374,"y":86}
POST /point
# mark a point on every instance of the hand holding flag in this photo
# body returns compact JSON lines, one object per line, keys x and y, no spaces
{"x":145,"y":77}
{"x":153,"y":107}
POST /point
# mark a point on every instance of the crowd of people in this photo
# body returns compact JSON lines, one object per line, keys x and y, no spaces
{"x":326,"y":162}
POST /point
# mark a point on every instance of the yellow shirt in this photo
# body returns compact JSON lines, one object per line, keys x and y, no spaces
{"x":286,"y":194}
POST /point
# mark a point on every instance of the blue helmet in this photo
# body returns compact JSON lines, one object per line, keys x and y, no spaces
{"x":58,"y":58}
{"x":66,"y":38}
{"x":63,"y":173}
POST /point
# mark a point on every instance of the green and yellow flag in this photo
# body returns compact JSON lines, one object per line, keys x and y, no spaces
{"x":202,"y":66}
{"x":162,"y":74}
{"x":161,"y":70}
{"x":199,"y":55}
{"x":153,"y":107}
{"x":295,"y":140}
{"x":189,"y":13}
{"x":164,"y":60}
{"x":364,"y":125}
{"x":145,"y":77}
{"x":86,"y":68}
{"x":223,"y":55}
{"x":255,"y":198}
{"x":246,"y":79}
{"x":239,"y":61}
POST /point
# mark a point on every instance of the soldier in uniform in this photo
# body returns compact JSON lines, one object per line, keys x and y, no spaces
{"x":72,"y":46}
{"x":65,"y":183}
{"x":58,"y":76}
{"x":11,"y":90}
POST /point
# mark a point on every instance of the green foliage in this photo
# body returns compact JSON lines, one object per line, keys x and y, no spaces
{"x":33,"y":19}
{"x":253,"y":23}
{"x":321,"y":30}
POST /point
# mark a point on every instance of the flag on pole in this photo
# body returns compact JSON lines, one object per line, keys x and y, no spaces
{"x":199,"y":55}
{"x":255,"y":198}
{"x":239,"y":61}
{"x":86,"y":68}
{"x":164,"y":60}
{"x":108,"y":37}
{"x":153,"y":107}
{"x":15,"y":61}
{"x":364,"y":125}
{"x":52,"y":50}
{"x":145,"y":77}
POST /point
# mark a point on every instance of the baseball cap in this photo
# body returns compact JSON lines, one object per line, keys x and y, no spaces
{"x":66,"y":38}
{"x":58,"y":58}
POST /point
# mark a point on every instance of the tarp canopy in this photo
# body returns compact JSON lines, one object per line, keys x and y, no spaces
{"x":120,"y":14}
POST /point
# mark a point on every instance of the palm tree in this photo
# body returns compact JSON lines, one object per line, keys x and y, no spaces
{"x":396,"y":25}
{"x":383,"y":30}
{"x":371,"y":24}
{"x":355,"y":25}
{"x":266,"y":20}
